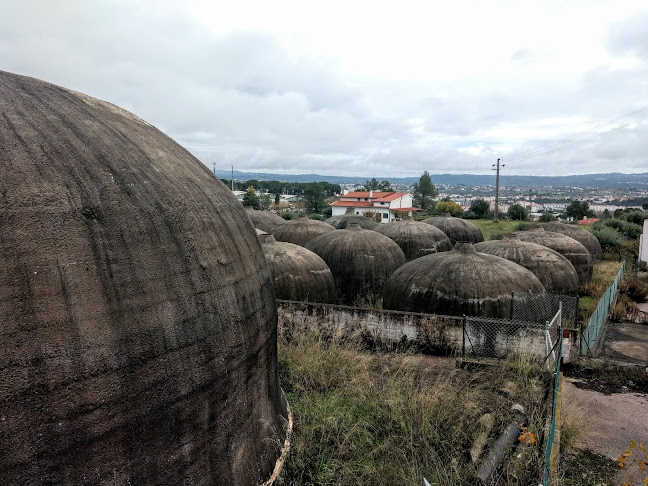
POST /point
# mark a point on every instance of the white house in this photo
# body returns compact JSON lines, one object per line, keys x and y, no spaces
{"x":388,"y":204}
{"x":240,"y":195}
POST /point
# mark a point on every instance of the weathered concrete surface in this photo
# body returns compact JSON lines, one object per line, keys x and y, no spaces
{"x":458,"y":282}
{"x":360,"y":261}
{"x":433,"y":330}
{"x":298,"y":273}
{"x":555,"y":272}
{"x":567,"y":246}
{"x":138,"y":333}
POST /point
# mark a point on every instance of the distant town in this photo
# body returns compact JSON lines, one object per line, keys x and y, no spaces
{"x":538,"y":194}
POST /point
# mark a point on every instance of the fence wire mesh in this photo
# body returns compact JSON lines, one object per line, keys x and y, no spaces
{"x":592,"y":330}
{"x":501,"y":338}
{"x":549,"y":455}
{"x":532,"y":307}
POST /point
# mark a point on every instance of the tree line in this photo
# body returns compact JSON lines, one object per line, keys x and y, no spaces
{"x":279,"y":187}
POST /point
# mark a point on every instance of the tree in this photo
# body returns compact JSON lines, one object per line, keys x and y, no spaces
{"x":449,"y":207}
{"x":314,"y":197}
{"x":251,"y":198}
{"x":479,"y":207}
{"x":424,"y":192}
{"x":518,"y":212}
{"x":265,"y":200}
{"x":330,"y":189}
{"x":579,"y":210}
{"x":277,"y":199}
{"x":374,"y":185}
{"x":546,"y":217}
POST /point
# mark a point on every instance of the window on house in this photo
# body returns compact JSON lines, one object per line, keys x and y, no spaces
{"x":385,"y":215}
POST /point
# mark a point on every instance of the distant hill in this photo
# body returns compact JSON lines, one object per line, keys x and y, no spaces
{"x":613,"y":180}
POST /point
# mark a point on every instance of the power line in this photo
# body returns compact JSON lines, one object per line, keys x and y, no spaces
{"x":581,"y":141}
{"x":523,"y":155}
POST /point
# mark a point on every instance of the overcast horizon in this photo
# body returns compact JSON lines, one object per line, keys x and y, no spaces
{"x":362,"y":89}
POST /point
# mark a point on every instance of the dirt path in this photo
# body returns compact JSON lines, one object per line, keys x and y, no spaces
{"x":608,"y":423}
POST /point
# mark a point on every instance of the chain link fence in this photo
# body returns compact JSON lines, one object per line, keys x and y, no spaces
{"x":553,"y":363}
{"x":532,"y":307}
{"x":591,"y":331}
{"x":501,"y":338}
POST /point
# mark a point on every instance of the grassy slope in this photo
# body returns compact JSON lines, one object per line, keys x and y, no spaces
{"x":394,"y":418}
{"x":604,"y":274}
{"x":491,"y":228}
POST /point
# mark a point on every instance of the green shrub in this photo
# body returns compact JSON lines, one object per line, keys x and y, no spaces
{"x":635,"y":217}
{"x":288,"y":215}
{"x":629,"y":230}
{"x":608,"y":237}
{"x":525,"y":225}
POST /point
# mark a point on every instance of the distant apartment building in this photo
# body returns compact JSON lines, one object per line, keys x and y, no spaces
{"x":390,"y":205}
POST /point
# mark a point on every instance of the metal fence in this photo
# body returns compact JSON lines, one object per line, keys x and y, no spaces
{"x":532,"y":307}
{"x":500,"y":338}
{"x":590,"y":333}
{"x":553,"y":361}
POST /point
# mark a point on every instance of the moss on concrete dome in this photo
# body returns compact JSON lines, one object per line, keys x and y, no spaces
{"x":557,"y":274}
{"x":299,"y":274}
{"x":457,"y":229}
{"x":301,"y":230}
{"x":416,"y":239}
{"x":457,"y":282}
{"x":360,"y":260}
{"x":138,"y":316}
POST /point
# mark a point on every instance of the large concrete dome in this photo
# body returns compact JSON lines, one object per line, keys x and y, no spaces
{"x":299,"y":274}
{"x":587,"y":239}
{"x":416,"y":239}
{"x":264,"y":220}
{"x":457,"y":282}
{"x":344,"y":220}
{"x":568,"y":247}
{"x":138,"y":318}
{"x":557,"y":274}
{"x":457,"y":229}
{"x":360,"y":260}
{"x":301,"y":230}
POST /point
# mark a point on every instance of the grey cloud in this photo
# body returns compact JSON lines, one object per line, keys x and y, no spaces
{"x":246,"y":99}
{"x":629,"y":36}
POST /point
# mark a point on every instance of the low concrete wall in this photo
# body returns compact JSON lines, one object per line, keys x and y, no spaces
{"x":484,"y":337}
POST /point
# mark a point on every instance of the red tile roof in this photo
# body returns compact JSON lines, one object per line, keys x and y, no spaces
{"x":406,"y":209}
{"x":380,"y":196}
{"x":588,"y":221}
{"x":361,"y":194}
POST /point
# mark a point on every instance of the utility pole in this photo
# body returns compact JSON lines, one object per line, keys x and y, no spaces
{"x":496,"y":212}
{"x":232,"y":178}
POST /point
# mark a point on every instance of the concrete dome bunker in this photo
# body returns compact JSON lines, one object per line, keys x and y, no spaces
{"x":139,"y":321}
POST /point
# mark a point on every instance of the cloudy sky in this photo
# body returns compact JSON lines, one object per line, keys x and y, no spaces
{"x":369,"y":88}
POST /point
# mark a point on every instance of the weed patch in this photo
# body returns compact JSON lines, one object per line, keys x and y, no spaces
{"x":372,"y":417}
{"x":587,"y":468}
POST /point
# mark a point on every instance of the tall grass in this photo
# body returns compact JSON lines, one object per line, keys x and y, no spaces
{"x":393,"y":418}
